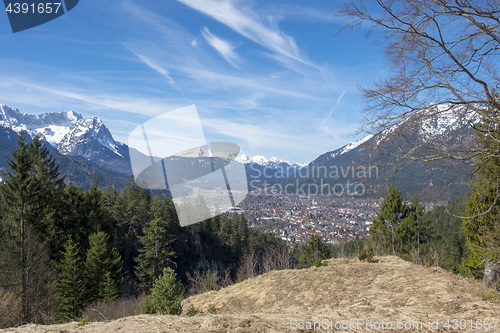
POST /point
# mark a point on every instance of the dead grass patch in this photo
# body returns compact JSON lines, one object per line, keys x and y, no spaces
{"x":390,"y":290}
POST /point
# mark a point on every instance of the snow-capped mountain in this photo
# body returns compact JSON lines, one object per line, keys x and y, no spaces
{"x":447,"y":128}
{"x":262,"y":161}
{"x":85,"y":137}
{"x":70,"y":134}
{"x":446,"y":119}
{"x":441,"y":123}
{"x":260,"y":168}
{"x":350,"y":146}
{"x":51,"y":126}
{"x":85,"y":147}
{"x":67,"y":131}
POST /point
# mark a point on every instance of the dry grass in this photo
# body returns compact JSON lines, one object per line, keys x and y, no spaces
{"x":105,"y":311}
{"x":390,"y":290}
{"x":10,"y":309}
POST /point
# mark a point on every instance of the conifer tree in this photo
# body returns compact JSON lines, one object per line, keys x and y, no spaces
{"x":49,"y":223}
{"x":135,"y":206}
{"x":102,"y":260}
{"x":413,"y":230}
{"x":70,"y":289}
{"x":77,"y":225}
{"x":315,"y":250}
{"x":166,"y":295}
{"x":383,"y":231}
{"x":108,"y":288}
{"x":28,"y":195}
{"x":96,"y":216}
{"x":155,"y":253}
{"x":482,"y":228}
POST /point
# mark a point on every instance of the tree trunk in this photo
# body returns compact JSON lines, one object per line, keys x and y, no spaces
{"x":491,"y":276}
{"x":24,"y":289}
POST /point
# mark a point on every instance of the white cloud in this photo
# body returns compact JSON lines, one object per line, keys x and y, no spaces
{"x":17,"y":91}
{"x":162,"y":71}
{"x":276,"y":75}
{"x":302,"y":13}
{"x":200,"y":68}
{"x":222,"y":46}
{"x":337,"y":131}
{"x":249,"y":25}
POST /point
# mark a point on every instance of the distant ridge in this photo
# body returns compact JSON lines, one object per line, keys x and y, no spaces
{"x":440,"y":180}
{"x":84,"y":148}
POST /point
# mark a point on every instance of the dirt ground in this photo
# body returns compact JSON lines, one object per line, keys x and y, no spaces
{"x":390,"y":295}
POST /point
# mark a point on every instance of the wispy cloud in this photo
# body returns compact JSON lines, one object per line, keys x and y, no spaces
{"x":248,"y":24}
{"x":340,"y":97}
{"x":249,"y":77}
{"x":162,"y":71}
{"x":208,"y":76}
{"x":182,"y":55}
{"x":222,"y":46}
{"x":302,"y":13}
{"x":323,"y":126}
{"x":15,"y":90}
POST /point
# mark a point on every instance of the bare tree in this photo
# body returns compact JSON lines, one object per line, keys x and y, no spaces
{"x":444,"y":58}
{"x":277,"y":257}
{"x":32,"y":278}
{"x":250,"y":264}
{"x":201,"y":282}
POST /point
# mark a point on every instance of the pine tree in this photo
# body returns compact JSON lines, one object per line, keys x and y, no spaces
{"x":413,"y":230}
{"x":102,"y":259}
{"x":166,"y":295}
{"x":155,"y":253}
{"x":28,"y":203}
{"x":315,"y":250}
{"x":77,"y":225}
{"x":482,"y":231}
{"x":129,"y":214}
{"x":136,"y":202}
{"x":70,"y":290}
{"x":108,"y":288}
{"x":383,"y":236}
{"x":96,"y":216}
{"x":49,"y":223}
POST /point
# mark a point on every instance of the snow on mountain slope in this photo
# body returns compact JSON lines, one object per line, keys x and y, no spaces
{"x":261,"y":160}
{"x":86,"y":137}
{"x":434,"y":122}
{"x":447,"y":119}
{"x":350,"y":146}
{"x":53,"y":134}
{"x":68,"y":132}
{"x":53,"y":126}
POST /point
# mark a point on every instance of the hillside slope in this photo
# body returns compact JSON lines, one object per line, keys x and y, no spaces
{"x":434,"y":132}
{"x":388,"y":290}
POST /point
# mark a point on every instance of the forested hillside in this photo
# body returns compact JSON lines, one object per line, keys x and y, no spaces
{"x":63,"y":248}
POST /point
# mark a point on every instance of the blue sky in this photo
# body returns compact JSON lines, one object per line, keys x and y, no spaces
{"x":270,"y":76}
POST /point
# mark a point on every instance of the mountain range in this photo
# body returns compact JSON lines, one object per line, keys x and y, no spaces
{"x":396,"y":156}
{"x":85,"y":148}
